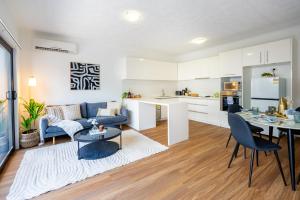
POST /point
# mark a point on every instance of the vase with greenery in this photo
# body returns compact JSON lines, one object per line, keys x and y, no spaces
{"x":30,"y":135}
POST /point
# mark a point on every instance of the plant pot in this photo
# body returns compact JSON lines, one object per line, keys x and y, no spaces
{"x":30,"y":139}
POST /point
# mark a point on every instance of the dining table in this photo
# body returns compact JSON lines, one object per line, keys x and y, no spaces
{"x":290,"y":125}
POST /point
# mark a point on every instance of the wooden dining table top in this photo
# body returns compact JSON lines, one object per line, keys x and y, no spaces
{"x":261,"y":119}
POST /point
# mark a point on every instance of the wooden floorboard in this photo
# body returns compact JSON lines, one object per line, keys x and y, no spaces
{"x":195,"y":169}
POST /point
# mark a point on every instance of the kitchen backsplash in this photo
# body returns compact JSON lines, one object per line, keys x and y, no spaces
{"x":150,"y":88}
{"x":202,"y":86}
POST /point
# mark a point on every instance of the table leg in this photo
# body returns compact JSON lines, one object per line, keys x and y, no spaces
{"x":78,"y":150}
{"x":291,"y":151}
{"x":270,"y":133}
{"x":121,"y":141}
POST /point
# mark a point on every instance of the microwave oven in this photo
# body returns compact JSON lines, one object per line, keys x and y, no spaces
{"x":231,"y":86}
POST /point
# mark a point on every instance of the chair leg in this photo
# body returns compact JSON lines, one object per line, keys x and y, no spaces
{"x":298,"y":179}
{"x":228,"y":140}
{"x":280,"y":168}
{"x":53,"y":140}
{"x":236,"y":148}
{"x":256,"y":157}
{"x":251,"y":167}
{"x":121,"y":126}
{"x":260,"y":136}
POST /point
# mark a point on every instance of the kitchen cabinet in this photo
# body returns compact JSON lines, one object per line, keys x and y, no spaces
{"x":186,"y":70}
{"x":199,"y":69}
{"x":143,"y":69}
{"x":279,"y":51}
{"x":204,"y":110}
{"x":269,"y":53}
{"x":254,"y":55}
{"x":231,"y":63}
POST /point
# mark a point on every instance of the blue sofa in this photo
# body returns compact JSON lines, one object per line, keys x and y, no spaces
{"x":88,"y":111}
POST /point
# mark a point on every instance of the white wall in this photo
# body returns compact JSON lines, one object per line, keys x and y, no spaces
{"x":293,"y":32}
{"x":52,"y":72}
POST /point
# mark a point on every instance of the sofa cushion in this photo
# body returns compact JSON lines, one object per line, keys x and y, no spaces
{"x":84,"y":123}
{"x":54,"y":129}
{"x":92,"y":108}
{"x":83,"y":110}
{"x":111,"y":119}
{"x":72,"y":112}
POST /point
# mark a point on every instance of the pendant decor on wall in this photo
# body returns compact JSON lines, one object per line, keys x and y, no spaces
{"x":85,"y":76}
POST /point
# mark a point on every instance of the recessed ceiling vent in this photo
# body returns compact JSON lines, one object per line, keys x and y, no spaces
{"x":55,"y":46}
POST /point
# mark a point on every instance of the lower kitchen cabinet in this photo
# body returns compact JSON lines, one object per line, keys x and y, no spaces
{"x":206,"y":111}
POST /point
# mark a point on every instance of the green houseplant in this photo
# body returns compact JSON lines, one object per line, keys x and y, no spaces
{"x":30,"y":135}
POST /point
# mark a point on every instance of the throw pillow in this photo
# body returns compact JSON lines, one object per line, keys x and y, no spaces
{"x":52,"y":119}
{"x":72,"y":112}
{"x":55,"y":111}
{"x":115,"y":105}
{"x":106,"y":112}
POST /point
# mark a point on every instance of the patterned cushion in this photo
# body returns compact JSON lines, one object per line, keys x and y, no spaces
{"x":116,"y":106}
{"x":55,"y":111}
{"x":106,"y":112}
{"x":71,"y":112}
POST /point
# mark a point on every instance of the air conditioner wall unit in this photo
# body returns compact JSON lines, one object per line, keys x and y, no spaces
{"x":56,"y":46}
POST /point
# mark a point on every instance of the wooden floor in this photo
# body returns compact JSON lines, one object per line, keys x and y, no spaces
{"x":195,"y":169}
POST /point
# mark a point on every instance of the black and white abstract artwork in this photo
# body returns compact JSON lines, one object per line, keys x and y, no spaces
{"x":85,"y":76}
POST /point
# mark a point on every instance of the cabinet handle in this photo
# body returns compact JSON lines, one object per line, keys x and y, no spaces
{"x":198,"y":112}
{"x":267,"y":57}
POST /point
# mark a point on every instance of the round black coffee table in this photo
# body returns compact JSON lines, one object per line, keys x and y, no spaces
{"x":99,"y":145}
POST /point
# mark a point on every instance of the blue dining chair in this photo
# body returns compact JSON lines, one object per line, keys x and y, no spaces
{"x":234,"y":108}
{"x":241,"y":132}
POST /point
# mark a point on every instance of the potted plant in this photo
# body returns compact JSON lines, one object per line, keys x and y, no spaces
{"x":29,"y":134}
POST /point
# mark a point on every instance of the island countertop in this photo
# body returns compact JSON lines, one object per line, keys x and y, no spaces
{"x":165,"y":102}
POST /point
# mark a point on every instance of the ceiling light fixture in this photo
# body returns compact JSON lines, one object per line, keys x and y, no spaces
{"x":132,"y":15}
{"x":198,"y":40}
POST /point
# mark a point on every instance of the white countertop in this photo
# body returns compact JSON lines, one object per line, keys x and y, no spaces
{"x":200,"y":97}
{"x":164,"y":102}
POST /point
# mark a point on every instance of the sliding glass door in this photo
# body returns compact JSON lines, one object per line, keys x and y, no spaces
{"x":6,"y":101}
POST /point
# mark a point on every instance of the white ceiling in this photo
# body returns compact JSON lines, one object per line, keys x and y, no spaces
{"x":167,"y":25}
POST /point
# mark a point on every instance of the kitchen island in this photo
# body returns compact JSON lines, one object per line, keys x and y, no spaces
{"x":142,"y":113}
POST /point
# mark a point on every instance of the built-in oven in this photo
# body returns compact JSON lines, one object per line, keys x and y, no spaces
{"x":229,"y":100}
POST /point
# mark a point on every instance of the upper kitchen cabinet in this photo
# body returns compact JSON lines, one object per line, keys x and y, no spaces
{"x":231,"y":63}
{"x":253,"y":55}
{"x":186,"y":70}
{"x":269,"y":53}
{"x":144,"y":69}
{"x":211,"y":67}
{"x":279,"y":51}
{"x":199,"y":69}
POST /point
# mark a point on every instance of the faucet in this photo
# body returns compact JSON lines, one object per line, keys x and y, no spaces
{"x":163,"y":92}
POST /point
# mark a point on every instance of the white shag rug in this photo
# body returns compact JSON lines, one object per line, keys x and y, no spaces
{"x":56,"y":166}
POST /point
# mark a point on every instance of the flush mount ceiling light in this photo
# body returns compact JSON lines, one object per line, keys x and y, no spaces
{"x":198,"y":40}
{"x":132,"y":15}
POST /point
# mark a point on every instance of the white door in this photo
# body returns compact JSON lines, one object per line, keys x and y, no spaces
{"x":253,"y":55}
{"x":231,"y":63}
{"x":279,"y":51}
{"x":265,"y":88}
